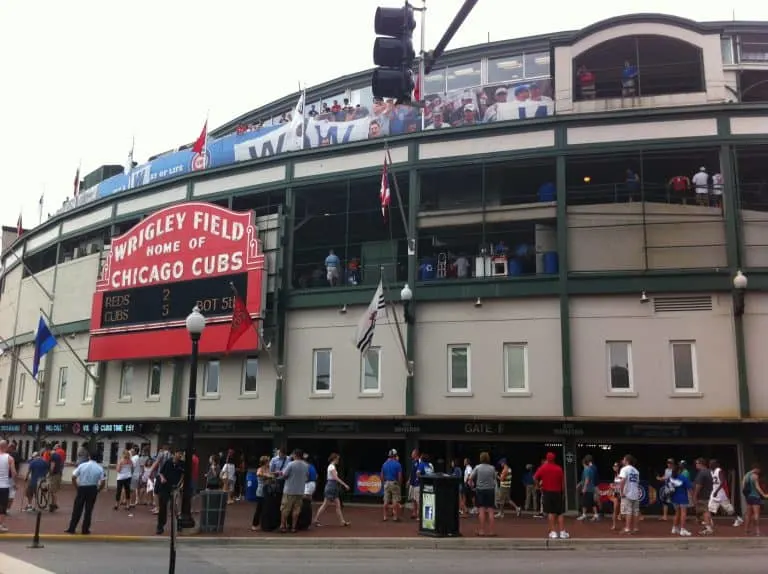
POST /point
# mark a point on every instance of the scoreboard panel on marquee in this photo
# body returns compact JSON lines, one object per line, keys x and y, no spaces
{"x":171,"y":301}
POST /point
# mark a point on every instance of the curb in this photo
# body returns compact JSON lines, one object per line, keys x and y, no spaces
{"x":421,"y":543}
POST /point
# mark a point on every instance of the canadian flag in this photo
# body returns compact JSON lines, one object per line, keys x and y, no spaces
{"x":384,"y":196}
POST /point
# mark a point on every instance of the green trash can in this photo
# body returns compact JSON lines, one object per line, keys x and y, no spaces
{"x":213,"y":510}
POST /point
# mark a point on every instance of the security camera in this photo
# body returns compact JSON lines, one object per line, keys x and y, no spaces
{"x":643,"y":297}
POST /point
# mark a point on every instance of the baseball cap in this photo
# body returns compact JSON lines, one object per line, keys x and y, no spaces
{"x":469,"y":108}
{"x":551,"y":456}
{"x":520,"y":89}
{"x":35,"y":454}
{"x":392,"y":453}
{"x":501,"y":91}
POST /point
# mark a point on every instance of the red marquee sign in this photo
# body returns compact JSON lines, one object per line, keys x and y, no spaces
{"x":183,"y":256}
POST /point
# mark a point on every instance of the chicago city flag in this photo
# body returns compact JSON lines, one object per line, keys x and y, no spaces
{"x":367,"y":325}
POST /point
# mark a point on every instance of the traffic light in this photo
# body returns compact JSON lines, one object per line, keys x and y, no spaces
{"x":393,"y":53}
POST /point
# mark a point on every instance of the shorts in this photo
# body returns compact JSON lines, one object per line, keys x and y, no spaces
{"x":702,"y":506}
{"x":485,"y":498}
{"x":309,"y":488}
{"x":331,"y":273}
{"x":392,"y":492}
{"x":4,"y":498}
{"x":12,"y":491}
{"x":331,"y":491}
{"x":54,"y":483}
{"x":29,"y":491}
{"x":552,"y":502}
{"x":503,"y":495}
{"x":413,"y":493}
{"x":135,"y":483}
{"x":291,"y":503}
{"x":725,"y":504}
{"x":588,"y":499}
{"x":754,"y":501}
{"x":630,"y":507}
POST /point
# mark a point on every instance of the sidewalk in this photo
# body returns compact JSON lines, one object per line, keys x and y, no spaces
{"x":366,"y":523}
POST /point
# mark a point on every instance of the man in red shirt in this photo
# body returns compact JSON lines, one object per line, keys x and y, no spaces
{"x":551,"y":479}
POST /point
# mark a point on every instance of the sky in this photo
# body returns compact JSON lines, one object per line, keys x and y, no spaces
{"x":80,"y":79}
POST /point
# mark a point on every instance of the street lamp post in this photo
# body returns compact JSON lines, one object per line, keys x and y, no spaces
{"x":739,"y":290}
{"x":406,"y":296}
{"x":195,"y":325}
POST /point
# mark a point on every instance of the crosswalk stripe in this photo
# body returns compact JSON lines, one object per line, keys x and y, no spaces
{"x":11,"y":565}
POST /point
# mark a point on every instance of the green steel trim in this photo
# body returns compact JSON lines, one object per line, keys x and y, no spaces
{"x":562,"y":283}
{"x":98,"y":392}
{"x":191,"y":190}
{"x":414,"y":199}
{"x":250,"y":190}
{"x":177,"y":384}
{"x":723,"y":125}
{"x":733,"y":250}
{"x":281,"y":296}
{"x":63,"y":329}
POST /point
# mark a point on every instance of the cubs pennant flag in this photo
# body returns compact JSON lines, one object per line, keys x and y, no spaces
{"x":384,"y":196}
{"x":241,"y":322}
{"x":367,"y":325}
{"x":202,"y":140}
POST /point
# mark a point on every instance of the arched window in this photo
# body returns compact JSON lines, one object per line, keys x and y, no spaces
{"x":633,"y":66}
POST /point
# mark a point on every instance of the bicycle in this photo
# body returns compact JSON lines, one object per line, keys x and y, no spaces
{"x":43,"y":493}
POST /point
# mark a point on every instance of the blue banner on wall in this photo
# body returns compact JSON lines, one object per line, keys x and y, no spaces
{"x":511,"y":101}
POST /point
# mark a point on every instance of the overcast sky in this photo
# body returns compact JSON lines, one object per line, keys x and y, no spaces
{"x":79,"y":79}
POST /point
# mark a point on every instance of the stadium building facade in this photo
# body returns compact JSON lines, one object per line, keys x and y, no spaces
{"x":572,"y":288}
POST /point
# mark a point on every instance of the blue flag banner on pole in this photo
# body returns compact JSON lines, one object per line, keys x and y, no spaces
{"x":44,"y":342}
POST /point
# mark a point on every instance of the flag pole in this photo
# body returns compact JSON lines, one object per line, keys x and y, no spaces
{"x":411,"y":241}
{"x":400,"y":337}
{"x":8,"y":346}
{"x":51,"y":325}
{"x":32,"y":275}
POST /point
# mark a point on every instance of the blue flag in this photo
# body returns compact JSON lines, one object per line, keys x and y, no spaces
{"x":44,"y":342}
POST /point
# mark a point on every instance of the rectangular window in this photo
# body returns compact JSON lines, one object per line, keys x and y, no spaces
{"x":126,"y":381}
{"x":726,"y":48}
{"x":370,"y":374}
{"x":39,"y":386}
{"x":537,"y":65}
{"x":89,"y":386}
{"x":73,"y":453}
{"x":507,"y":69}
{"x":21,"y":389}
{"x":619,"y":366}
{"x":211,"y":387}
{"x":155,"y":374}
{"x":63,"y":375}
{"x":321,"y":371}
{"x":463,"y":76}
{"x":459,"y":369}
{"x":516,"y":367}
{"x":684,"y":364}
{"x":250,"y":374}
{"x":434,"y":82}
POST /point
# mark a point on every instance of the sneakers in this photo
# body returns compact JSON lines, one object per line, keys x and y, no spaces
{"x":582,"y":517}
{"x":684,"y":532}
{"x":553,"y":535}
{"x":564,"y":535}
{"x":706,"y":531}
{"x":519,"y":511}
{"x":3,"y":528}
{"x":675,"y":530}
{"x":498,"y":515}
{"x":738,"y":522}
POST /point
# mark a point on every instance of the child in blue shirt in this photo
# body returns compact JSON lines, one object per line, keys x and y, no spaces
{"x":679,"y":485}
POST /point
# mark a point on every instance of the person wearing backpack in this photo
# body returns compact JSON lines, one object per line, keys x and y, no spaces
{"x":754,"y":494}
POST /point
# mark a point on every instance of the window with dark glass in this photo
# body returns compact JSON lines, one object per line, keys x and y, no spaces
{"x":463,"y":76}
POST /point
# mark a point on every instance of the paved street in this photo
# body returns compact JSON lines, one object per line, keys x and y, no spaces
{"x":125,"y":559}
